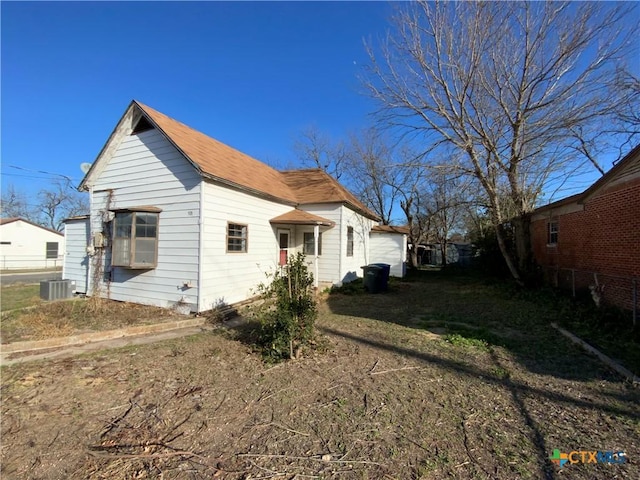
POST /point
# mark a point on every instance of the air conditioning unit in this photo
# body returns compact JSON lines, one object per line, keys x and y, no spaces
{"x":57,"y":289}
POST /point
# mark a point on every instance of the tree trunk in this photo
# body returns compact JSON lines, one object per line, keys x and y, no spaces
{"x":522,"y":239}
{"x":443,"y":253}
{"x":506,"y":254}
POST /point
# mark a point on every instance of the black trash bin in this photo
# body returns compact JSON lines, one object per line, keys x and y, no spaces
{"x":373,"y":278}
{"x":384,"y":280}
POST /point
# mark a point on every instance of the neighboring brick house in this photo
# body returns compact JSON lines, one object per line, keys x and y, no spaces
{"x":592,"y":240}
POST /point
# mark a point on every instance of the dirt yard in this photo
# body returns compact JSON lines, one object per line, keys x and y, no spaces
{"x":34,"y":319}
{"x":435,"y":379}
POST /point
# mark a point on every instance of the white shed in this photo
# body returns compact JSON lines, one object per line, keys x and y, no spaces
{"x":76,"y":259}
{"x":26,"y":245}
{"x":389,"y":245}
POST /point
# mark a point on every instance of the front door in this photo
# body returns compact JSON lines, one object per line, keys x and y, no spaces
{"x":283,"y":241}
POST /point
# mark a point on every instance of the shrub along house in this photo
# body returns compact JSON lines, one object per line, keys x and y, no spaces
{"x":178,"y":218}
{"x":592,"y":240}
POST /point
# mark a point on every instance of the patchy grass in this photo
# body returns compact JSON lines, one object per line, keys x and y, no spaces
{"x":68,"y":317}
{"x":19,"y":296}
{"x":386,"y":397}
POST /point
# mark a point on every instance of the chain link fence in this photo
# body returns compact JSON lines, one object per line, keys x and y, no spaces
{"x":616,"y":290}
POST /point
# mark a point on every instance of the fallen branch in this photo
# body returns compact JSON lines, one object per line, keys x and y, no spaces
{"x":394,"y":370}
{"x":289,"y":429}
{"x":177,"y":453}
{"x":374,"y":366}
{"x":313,"y":458}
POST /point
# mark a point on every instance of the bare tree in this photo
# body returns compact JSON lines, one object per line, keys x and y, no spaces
{"x":378,"y":172}
{"x":523,"y":89}
{"x":447,"y":196}
{"x":14,"y":204}
{"x":317,"y":150}
{"x":61,"y":200}
{"x":58,"y":202}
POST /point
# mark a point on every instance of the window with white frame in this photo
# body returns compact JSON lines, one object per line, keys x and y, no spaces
{"x":309,"y":244}
{"x":237,"y":235}
{"x":552,"y":234}
{"x":135,"y":239}
{"x":349,"y":241}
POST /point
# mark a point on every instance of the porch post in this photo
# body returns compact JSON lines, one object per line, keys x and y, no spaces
{"x":316,"y":236}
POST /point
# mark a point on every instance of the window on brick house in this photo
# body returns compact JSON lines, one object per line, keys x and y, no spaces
{"x":552,"y":233}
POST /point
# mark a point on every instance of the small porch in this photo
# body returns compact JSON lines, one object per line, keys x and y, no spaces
{"x":300,"y":231}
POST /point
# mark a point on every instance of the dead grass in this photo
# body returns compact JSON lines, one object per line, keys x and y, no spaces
{"x":67,"y":317}
{"x":386,"y":398}
{"x":19,"y":296}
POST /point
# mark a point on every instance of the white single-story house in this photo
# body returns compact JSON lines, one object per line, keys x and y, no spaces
{"x":178,"y":218}
{"x":27,"y":245}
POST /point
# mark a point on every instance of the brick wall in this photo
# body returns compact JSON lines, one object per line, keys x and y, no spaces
{"x":604,"y":237}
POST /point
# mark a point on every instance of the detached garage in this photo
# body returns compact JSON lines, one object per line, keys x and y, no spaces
{"x":388,"y":245}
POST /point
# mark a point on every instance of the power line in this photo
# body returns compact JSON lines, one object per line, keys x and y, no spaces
{"x":42,"y":171}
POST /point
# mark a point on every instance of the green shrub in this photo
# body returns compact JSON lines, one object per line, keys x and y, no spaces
{"x":288,"y":313}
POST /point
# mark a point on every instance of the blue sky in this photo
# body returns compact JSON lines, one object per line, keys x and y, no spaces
{"x":252,"y":75}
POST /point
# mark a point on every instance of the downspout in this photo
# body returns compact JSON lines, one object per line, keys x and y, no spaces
{"x":316,"y":236}
{"x":199,"y":306}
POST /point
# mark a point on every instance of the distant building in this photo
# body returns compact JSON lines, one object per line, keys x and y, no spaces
{"x":26,"y":245}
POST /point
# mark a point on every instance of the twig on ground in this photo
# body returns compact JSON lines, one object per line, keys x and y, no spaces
{"x":176,"y":453}
{"x":374,"y":366}
{"x":114,"y":423}
{"x":313,"y":458}
{"x":394,"y":370}
{"x":289,"y":429}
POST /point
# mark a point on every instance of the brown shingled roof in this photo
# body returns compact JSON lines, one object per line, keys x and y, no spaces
{"x":300,"y":217}
{"x":217,"y":160}
{"x":316,"y":186}
{"x":390,"y":229}
{"x":222,"y":163}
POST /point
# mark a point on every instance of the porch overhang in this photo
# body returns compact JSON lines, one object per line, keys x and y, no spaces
{"x":300,"y":217}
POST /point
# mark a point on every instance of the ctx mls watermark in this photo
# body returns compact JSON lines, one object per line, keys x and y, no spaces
{"x":587,"y":456}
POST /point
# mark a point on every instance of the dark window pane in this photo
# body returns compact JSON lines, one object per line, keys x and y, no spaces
{"x":123,"y":225}
{"x":52,"y":250}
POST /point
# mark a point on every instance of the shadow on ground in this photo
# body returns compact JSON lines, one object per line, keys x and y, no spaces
{"x":469,"y":309}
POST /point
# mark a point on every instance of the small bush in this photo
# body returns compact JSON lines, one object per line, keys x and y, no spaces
{"x":460,"y":341}
{"x":352,"y":288}
{"x":288,"y":313}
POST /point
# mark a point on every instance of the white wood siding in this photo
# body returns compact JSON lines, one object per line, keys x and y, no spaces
{"x":390,"y":248}
{"x":25,"y":246}
{"x":146,"y":170}
{"x":76,"y":261}
{"x":334,"y":264}
{"x":329,"y":260}
{"x":233,"y":277}
{"x":361,"y":249}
